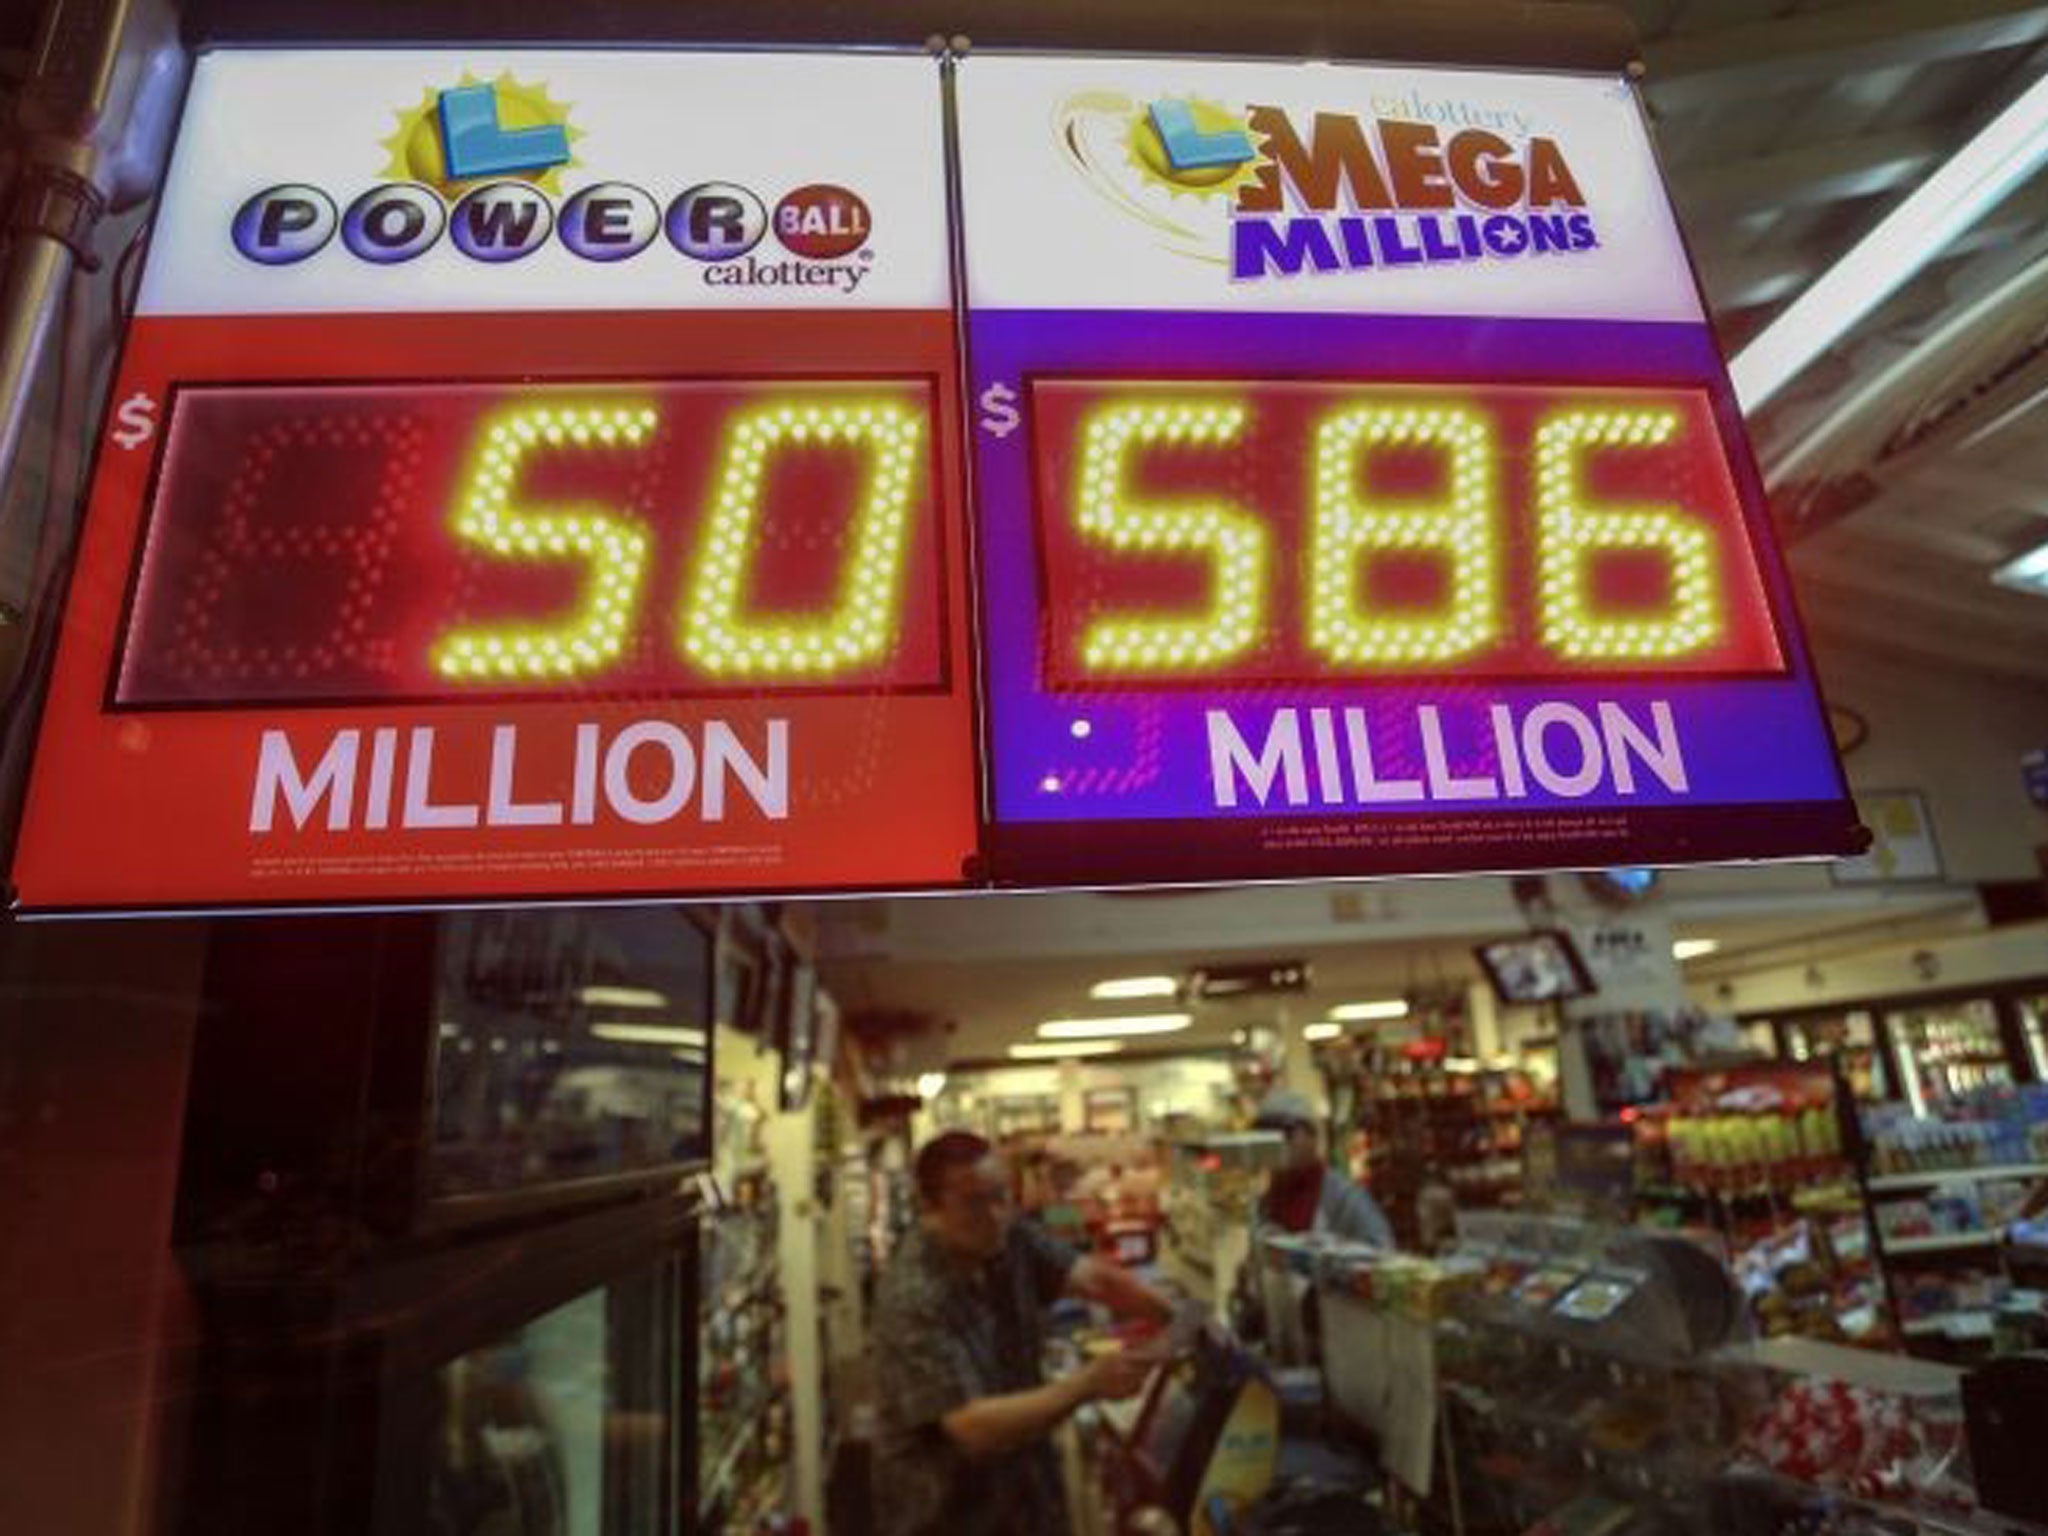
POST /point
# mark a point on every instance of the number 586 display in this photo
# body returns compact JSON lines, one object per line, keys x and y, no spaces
{"x":1205,"y":532}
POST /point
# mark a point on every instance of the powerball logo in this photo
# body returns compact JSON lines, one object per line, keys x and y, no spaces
{"x":482,"y":164}
{"x":1422,"y":182}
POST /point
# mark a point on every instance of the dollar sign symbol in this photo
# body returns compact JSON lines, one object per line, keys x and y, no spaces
{"x":134,"y":422}
{"x":999,"y":411}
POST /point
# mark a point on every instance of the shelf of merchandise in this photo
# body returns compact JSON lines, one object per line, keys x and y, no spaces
{"x":1867,"y":1369}
{"x":1942,"y":1242}
{"x":1919,"y":1519}
{"x":1886,"y":1182}
{"x":1462,"y":1126}
{"x":752,"y":1421}
{"x":1946,"y":1324}
{"x":729,"y":1459}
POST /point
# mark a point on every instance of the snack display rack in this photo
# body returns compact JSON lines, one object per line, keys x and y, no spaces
{"x":1598,"y":1379}
{"x":1946,"y":1189}
{"x":1766,"y":1155}
{"x":1579,"y":1386}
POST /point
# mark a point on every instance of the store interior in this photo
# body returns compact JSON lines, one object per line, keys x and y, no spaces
{"x":1720,"y":1200}
{"x":1720,"y":1193}
{"x":1838,"y":1092}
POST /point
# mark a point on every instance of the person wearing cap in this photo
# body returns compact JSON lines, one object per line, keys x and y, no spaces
{"x":965,"y":1412}
{"x":1305,"y":1194}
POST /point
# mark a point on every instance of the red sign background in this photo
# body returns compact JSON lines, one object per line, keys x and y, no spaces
{"x":155,"y":808}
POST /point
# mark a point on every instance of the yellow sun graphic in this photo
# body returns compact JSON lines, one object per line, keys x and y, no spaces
{"x":415,"y":145}
{"x":1149,"y":158}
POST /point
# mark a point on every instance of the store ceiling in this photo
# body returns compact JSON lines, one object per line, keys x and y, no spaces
{"x":1788,"y":130}
{"x":992,"y":968}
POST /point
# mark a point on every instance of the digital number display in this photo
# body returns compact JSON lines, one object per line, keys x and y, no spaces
{"x":1198,"y":533}
{"x":427,"y":542}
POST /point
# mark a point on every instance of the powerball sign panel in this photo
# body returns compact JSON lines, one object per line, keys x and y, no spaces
{"x":1359,"y":488}
{"x":532,"y":474}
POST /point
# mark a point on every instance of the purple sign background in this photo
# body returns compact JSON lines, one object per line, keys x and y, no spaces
{"x":1116,"y":785}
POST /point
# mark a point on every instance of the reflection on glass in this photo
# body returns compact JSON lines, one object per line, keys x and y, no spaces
{"x":573,"y":1045}
{"x":562,"y":1428}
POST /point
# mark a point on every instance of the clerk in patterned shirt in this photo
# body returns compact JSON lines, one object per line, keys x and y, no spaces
{"x":959,"y":1328}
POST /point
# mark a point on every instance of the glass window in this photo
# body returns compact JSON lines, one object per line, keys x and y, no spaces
{"x":564,"y":1427}
{"x":572,"y":1045}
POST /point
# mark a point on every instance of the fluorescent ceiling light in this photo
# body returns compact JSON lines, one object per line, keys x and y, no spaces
{"x":1123,"y":988}
{"x":1386,"y":1008}
{"x":2007,"y":150}
{"x":647,"y":1034}
{"x":1328,"y":1029}
{"x":930,"y":1084}
{"x":1692,"y":949}
{"x":1119,"y":1024}
{"x":1052,"y":1050}
{"x":2028,"y":573}
{"x":622,"y":997}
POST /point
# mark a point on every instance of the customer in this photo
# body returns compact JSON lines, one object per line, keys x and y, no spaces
{"x":965,"y":1411}
{"x":1305,"y":1194}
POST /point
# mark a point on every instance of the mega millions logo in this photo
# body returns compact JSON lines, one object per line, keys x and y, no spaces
{"x":1422,"y":181}
{"x":483,"y":164}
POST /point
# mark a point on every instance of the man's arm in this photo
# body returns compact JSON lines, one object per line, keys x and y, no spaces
{"x":1118,"y":1289}
{"x":989,"y":1426}
{"x":1358,"y":1217}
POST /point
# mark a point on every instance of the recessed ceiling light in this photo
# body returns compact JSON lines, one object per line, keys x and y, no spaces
{"x":622,"y":997}
{"x":2004,"y":153}
{"x":2028,"y":573}
{"x":1119,"y":1024}
{"x":1385,"y":1008}
{"x":1122,"y":989}
{"x":930,"y":1084}
{"x":1050,"y":1050}
{"x":626,"y":1033}
{"x":1692,"y":949}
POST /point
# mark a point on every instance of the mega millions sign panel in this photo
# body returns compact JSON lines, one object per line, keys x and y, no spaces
{"x":1359,"y":489}
{"x":541,"y":475}
{"x":531,"y":474}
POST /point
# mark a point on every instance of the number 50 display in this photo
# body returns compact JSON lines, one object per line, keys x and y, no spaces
{"x":1501,"y":531}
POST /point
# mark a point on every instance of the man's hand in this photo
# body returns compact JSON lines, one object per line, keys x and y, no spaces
{"x":1115,"y":1376}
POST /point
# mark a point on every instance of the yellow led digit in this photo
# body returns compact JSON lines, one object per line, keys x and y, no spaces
{"x":1570,"y":533}
{"x":612,"y":547}
{"x":860,"y":627}
{"x":1233,"y":540}
{"x":1462,"y":524}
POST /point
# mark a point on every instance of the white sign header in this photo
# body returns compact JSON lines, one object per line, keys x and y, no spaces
{"x":1182,"y":184}
{"x":448,"y":180}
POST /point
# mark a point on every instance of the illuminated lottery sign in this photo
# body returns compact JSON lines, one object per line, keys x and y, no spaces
{"x":538,"y":479}
{"x":541,"y":475}
{"x":1359,"y":489}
